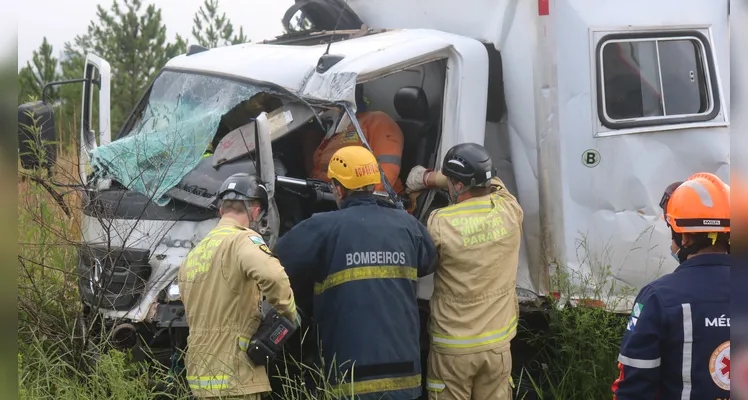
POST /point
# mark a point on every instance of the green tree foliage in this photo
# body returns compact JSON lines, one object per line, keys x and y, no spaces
{"x":40,"y":70}
{"x":134,"y":42}
{"x":131,"y":37}
{"x":212,"y":30}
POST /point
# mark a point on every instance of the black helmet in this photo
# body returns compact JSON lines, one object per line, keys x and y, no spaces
{"x":243,"y":186}
{"x":668,"y":192}
{"x":468,"y":163}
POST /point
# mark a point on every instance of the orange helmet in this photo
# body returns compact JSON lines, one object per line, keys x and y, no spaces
{"x":700,"y":204}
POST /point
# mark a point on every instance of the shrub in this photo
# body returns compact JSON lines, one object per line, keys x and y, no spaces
{"x":578,"y":349}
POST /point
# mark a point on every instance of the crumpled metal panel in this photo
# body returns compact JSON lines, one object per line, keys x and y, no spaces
{"x":168,"y":242}
{"x":334,"y":86}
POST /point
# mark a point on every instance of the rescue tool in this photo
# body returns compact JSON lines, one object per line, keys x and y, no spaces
{"x":274,"y":332}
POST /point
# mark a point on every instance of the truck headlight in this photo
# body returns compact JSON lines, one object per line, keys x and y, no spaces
{"x":172,"y":292}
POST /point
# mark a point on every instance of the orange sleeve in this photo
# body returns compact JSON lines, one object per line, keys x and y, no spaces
{"x":386,"y":141}
{"x":614,"y":387}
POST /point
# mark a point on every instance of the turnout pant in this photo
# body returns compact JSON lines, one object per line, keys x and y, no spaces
{"x":476,"y":376}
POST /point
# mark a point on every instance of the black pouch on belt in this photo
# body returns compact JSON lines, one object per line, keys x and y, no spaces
{"x":274,"y":332}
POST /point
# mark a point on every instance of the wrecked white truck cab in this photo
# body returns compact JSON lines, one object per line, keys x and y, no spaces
{"x":136,"y":233}
{"x":589,"y":109}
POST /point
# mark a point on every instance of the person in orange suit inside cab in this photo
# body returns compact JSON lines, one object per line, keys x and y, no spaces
{"x":381,"y":132}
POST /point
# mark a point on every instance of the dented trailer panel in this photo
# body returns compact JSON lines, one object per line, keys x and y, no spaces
{"x":590,"y":192}
{"x":613,"y":197}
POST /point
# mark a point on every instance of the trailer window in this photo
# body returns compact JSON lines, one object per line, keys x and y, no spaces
{"x":655,"y":80}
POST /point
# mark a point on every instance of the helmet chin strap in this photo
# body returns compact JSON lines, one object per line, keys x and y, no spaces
{"x":454,"y":193}
{"x":683,"y":252}
{"x":695,"y":247}
{"x":253,"y":222}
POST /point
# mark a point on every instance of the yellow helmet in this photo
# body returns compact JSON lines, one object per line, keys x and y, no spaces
{"x":354,"y":167}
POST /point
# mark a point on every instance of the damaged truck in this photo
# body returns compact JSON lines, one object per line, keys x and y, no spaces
{"x":588,"y":108}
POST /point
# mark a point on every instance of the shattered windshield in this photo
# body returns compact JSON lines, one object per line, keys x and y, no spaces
{"x":173,"y":128}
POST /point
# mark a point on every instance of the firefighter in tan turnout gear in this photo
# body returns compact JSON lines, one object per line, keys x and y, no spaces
{"x":222,"y":282}
{"x":474,"y":306}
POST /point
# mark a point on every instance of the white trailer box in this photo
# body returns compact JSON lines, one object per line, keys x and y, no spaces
{"x":607,"y":103}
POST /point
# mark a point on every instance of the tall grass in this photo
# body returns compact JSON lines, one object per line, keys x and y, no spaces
{"x":578,"y":351}
{"x":54,"y":359}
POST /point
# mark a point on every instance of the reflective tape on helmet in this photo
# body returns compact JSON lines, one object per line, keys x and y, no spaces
{"x":474,"y":341}
{"x":435,"y":385}
{"x":378,"y":385}
{"x":208,"y":382}
{"x":701,"y":191}
{"x":360,"y":273}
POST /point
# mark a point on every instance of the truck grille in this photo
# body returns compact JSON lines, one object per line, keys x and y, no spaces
{"x":112,"y":278}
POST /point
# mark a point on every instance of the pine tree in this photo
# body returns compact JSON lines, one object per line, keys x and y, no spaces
{"x":134,"y":42}
{"x":212,"y":30}
{"x":41,"y":70}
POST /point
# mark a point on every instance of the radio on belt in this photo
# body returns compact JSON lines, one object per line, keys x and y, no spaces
{"x":273,"y":333}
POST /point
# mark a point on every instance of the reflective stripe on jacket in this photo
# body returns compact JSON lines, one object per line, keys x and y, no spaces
{"x":222,"y":281}
{"x":383,"y":135}
{"x":677,"y":341}
{"x":363,"y":262}
{"x":474,"y":305}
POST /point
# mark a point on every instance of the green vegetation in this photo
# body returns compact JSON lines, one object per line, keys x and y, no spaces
{"x":213,"y":30}
{"x":132,"y":37}
{"x":577,"y":350}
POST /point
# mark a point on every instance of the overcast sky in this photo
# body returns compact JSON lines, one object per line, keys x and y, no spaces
{"x":61,"y":20}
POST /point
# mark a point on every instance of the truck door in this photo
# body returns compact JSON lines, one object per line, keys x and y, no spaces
{"x":97,"y":73}
{"x":270,"y":225}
